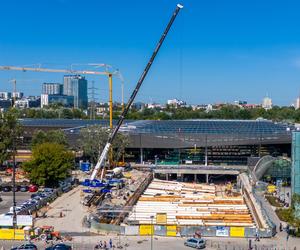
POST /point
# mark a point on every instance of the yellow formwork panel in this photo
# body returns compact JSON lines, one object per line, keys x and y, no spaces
{"x":237,"y":231}
{"x":9,"y":234}
{"x":171,"y":230}
{"x":146,"y":229}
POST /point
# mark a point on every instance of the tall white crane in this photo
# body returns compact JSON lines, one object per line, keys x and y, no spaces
{"x":103,"y":156}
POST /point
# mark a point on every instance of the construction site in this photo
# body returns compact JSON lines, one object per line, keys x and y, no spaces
{"x":155,"y":198}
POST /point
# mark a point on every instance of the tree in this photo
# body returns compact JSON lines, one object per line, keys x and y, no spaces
{"x":52,"y":136}
{"x":50,"y":163}
{"x":10,"y":133}
{"x":93,"y":139}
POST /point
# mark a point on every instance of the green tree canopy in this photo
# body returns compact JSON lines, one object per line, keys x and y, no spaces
{"x":93,"y":139}
{"x":52,"y":136}
{"x":50,"y":163}
{"x":10,"y":134}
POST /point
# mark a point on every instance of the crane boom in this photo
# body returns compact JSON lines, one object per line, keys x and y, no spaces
{"x":69,"y":71}
{"x":104,"y":153}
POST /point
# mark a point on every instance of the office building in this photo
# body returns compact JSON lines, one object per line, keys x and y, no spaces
{"x":176,"y":103}
{"x":5,"y":104}
{"x":76,"y":86}
{"x":52,"y":88}
{"x":267,"y":103}
{"x":30,"y":102}
{"x":17,"y":95}
{"x":66,"y":101}
{"x":5,"y":95}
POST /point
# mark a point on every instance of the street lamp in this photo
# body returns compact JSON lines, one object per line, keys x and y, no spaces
{"x":14,"y":187}
{"x":151,"y":217}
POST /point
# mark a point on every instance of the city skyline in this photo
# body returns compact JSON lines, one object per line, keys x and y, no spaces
{"x":209,"y":58}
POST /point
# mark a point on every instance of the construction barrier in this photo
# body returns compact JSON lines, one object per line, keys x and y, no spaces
{"x":11,"y":234}
{"x":237,"y":232}
{"x":171,"y":230}
{"x":132,"y":230}
{"x":160,"y":230}
{"x":183,"y":231}
{"x":146,"y":229}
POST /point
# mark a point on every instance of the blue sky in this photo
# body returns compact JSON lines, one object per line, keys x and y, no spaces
{"x":216,"y":51}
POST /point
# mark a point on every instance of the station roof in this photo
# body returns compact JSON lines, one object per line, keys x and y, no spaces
{"x":207,"y":127}
{"x":181,"y":133}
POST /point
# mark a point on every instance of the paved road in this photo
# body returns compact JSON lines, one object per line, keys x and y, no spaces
{"x":7,"y":200}
{"x":167,"y":243}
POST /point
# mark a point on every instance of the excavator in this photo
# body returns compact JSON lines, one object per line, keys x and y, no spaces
{"x":101,"y":161}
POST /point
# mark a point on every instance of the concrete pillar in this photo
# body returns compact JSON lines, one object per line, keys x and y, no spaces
{"x":141,"y":155}
{"x":179,"y":177}
{"x":207,"y":175}
{"x":206,"y":158}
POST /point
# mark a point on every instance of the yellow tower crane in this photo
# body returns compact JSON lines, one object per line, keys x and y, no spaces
{"x":106,"y":72}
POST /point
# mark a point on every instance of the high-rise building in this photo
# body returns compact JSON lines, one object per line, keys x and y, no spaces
{"x":76,"y":85}
{"x":267,"y":103}
{"x":297,"y":104}
{"x":52,"y":88}
{"x":5,"y":95}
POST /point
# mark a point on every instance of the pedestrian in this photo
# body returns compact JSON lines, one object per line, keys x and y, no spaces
{"x":110,"y":243}
{"x":105,"y":245}
{"x":280,"y":227}
{"x":257,"y":236}
{"x":100,"y":244}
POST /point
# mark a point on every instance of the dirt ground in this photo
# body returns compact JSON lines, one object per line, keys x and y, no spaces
{"x":69,"y":205}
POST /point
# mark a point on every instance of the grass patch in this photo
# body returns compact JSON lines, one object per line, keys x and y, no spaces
{"x":273,"y":201}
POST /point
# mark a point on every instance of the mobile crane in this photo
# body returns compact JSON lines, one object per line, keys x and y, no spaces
{"x":103,"y":156}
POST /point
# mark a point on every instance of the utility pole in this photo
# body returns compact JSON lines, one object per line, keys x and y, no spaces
{"x":14,"y":183}
{"x":152,"y":217}
{"x":93,"y":102}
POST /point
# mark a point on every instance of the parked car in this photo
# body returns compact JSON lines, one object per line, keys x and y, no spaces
{"x":6,"y":189}
{"x":17,"y":188}
{"x":18,"y":208}
{"x":48,"y":190}
{"x":60,"y":246}
{"x":24,"y":188}
{"x":33,"y":188}
{"x":27,"y":246}
{"x":195,"y":242}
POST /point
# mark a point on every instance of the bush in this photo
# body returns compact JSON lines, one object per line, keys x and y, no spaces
{"x":285,"y":215}
{"x":273,"y":201}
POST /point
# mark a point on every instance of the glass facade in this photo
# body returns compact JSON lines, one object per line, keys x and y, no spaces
{"x":296,"y":163}
{"x":280,"y":170}
{"x":76,"y":85}
{"x":52,"y":88}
